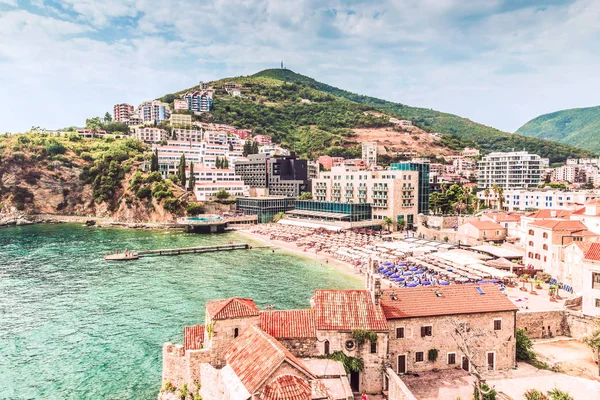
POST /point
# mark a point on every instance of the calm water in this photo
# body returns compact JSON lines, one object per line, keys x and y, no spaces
{"x":75,"y":327}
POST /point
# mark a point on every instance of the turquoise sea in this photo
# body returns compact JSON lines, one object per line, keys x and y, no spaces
{"x":75,"y":327}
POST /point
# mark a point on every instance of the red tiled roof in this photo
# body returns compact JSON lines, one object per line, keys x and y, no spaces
{"x":345,"y":310}
{"x":593,"y":202}
{"x":234,"y":307}
{"x":560,"y":224}
{"x":503,"y":217}
{"x":580,"y":211}
{"x":485,"y":225}
{"x":288,"y":324}
{"x":547,"y":213}
{"x":287,"y":387}
{"x":594,"y":252}
{"x":584,"y":246}
{"x":585,"y":233}
{"x":255,"y":355}
{"x":454,"y":299}
{"x":193,"y":336}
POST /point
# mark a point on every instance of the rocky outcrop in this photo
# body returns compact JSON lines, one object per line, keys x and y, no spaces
{"x":10,"y":216}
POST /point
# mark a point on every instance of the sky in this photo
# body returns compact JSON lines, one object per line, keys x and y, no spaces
{"x":497,"y":62}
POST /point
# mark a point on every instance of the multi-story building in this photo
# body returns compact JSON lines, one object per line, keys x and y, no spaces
{"x":591,"y":282}
{"x":202,"y":154}
{"x":464,"y":165}
{"x":209,"y":181}
{"x":422,"y":182}
{"x":181,"y":119}
{"x":154,"y":111}
{"x":263,"y":140}
{"x":369,"y":153}
{"x":282,"y":176}
{"x":151,"y":135}
{"x":273,"y":150}
{"x":187,"y":135}
{"x":514,"y":170}
{"x":265,"y":207}
{"x":198,"y":101}
{"x":122,"y":112}
{"x":527,"y":200}
{"x":413,"y":330}
{"x":469,"y":152}
{"x":180,"y":104}
{"x":329,"y":162}
{"x":392,"y":194}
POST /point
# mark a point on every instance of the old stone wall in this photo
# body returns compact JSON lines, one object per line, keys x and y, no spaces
{"x":397,"y":390}
{"x":174,"y":365}
{"x":501,"y":342}
{"x":539,"y":323}
{"x":581,"y":325}
{"x":301,"y":347}
{"x":224,"y":334}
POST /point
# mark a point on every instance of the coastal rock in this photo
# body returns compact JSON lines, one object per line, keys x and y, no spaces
{"x":10,"y":216}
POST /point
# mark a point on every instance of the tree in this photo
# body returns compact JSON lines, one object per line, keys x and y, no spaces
{"x":305,"y":196}
{"x":495,"y":190}
{"x":181,"y":171}
{"x":247,"y":148}
{"x":500,"y":198}
{"x":254,"y":148}
{"x":401,"y":224}
{"x":593,"y":342}
{"x":225,"y":163}
{"x":524,"y":346}
{"x":460,"y":207}
{"x":107,"y":117}
{"x":218,"y":163}
{"x":192,"y":181}
{"x":94,"y":125}
{"x":154,"y":161}
{"x":222,"y":194}
{"x":387,"y":222}
{"x":487,"y":197}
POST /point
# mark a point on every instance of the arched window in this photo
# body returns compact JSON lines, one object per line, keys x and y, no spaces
{"x":531,"y":243}
{"x":531,"y":232}
{"x":545,"y":247}
{"x":545,"y":235}
{"x":236,"y":332}
{"x":326,"y":347}
{"x":530,"y":255}
{"x":537,"y":256}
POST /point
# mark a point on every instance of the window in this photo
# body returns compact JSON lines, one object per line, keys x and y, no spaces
{"x":236,"y":332}
{"x":419,"y":356}
{"x":451,"y":358}
{"x":545,"y":235}
{"x":426,"y":331}
{"x":399,"y":333}
{"x":545,"y":247}
{"x":326,"y":347}
{"x":597,"y":303}
{"x":530,"y":243}
{"x":373,"y":347}
{"x":595,"y":280}
{"x":497,"y":324}
{"x":531,"y":232}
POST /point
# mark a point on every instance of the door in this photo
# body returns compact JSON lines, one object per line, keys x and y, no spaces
{"x":402,"y":364}
{"x":465,"y":363}
{"x":491,"y":360}
{"x":355,"y":381}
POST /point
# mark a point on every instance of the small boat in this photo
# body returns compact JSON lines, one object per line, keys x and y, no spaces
{"x":121,"y":257}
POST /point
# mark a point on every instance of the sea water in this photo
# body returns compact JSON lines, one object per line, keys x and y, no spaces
{"x":73,"y":326}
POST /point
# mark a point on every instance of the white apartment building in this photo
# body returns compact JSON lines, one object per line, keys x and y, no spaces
{"x":591,"y":282}
{"x":150,"y":135}
{"x":514,"y":170}
{"x":526,"y":200}
{"x":392,"y":194}
{"x":369,"y":153}
{"x":469,"y":152}
{"x":273,"y":150}
{"x":154,"y":111}
{"x":187,"y":135}
{"x":464,"y":165}
{"x":209,"y":181}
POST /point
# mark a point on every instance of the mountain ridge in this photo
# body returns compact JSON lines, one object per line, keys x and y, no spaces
{"x":579,"y":127}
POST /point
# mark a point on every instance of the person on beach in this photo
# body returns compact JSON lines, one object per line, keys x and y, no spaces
{"x":364,"y":396}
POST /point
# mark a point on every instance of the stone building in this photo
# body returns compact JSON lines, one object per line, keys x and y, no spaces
{"x":244,"y":353}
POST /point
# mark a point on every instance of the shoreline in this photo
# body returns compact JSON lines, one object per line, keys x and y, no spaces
{"x":100,"y":222}
{"x":339,"y":265}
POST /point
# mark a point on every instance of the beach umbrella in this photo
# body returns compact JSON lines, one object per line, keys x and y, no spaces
{"x":412,"y":268}
{"x":380,"y":269}
{"x":400,"y":279}
{"x":481,"y":281}
{"x":425,"y":283}
{"x":402,"y":264}
{"x":407,"y":273}
{"x":419,"y":272}
{"x":395,"y":276}
{"x":412,"y":284}
{"x":494,"y":280}
{"x":445,"y":283}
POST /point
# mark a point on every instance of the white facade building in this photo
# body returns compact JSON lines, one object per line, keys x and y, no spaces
{"x":150,"y":135}
{"x":209,"y":181}
{"x":526,"y":200}
{"x":369,"y":153}
{"x":514,"y":170}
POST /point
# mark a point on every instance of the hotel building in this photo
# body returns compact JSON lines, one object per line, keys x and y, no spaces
{"x":514,"y":170}
{"x":154,"y":111}
{"x":122,"y":112}
{"x":198,"y":101}
{"x":202,"y":154}
{"x":181,"y":119}
{"x":210,"y":180}
{"x":391,"y":194}
{"x":369,"y":153}
{"x":282,"y":176}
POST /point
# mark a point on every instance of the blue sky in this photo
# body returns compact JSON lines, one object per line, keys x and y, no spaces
{"x":498,"y":62}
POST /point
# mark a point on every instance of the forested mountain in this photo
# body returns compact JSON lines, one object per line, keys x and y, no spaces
{"x":578,"y":127}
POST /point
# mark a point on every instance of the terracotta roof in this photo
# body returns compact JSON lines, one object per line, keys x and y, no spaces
{"x":454,"y":299}
{"x":485,"y":225}
{"x":541,"y":214}
{"x":193,"y":336}
{"x":584,"y":246}
{"x":594,"y":252}
{"x":585,"y":233}
{"x":287,"y":387}
{"x":255,"y":355}
{"x":503,"y":217}
{"x":344,"y":310}
{"x":234,"y":307}
{"x":581,"y":211}
{"x":593,"y":202}
{"x":288,"y":324}
{"x":560,"y":224}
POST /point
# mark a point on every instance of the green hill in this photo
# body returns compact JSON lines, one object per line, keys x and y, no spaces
{"x":578,"y":127}
{"x":272,"y":104}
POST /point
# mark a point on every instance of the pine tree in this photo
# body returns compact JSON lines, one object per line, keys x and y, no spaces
{"x":154,"y":161}
{"x":225,"y":163}
{"x":181,"y":170}
{"x":254,"y":148}
{"x":218,"y":163}
{"x":192,"y":182}
{"x":247,"y":148}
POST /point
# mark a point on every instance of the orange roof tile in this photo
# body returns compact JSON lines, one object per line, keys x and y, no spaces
{"x":593,"y":253}
{"x":485,"y":225}
{"x":584,"y":246}
{"x":287,"y":387}
{"x":593,"y":202}
{"x":193,"y":336}
{"x":585,"y":233}
{"x":255,"y":355}
{"x":580,"y":211}
{"x":344,"y":310}
{"x":234,"y":307}
{"x":288,"y":324}
{"x":454,"y":299}
{"x":560,"y":224}
{"x":547,"y":213}
{"x":503,"y":217}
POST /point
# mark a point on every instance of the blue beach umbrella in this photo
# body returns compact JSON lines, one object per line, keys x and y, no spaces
{"x":400,"y":279}
{"x":494,"y":280}
{"x":419,"y":272}
{"x":425,"y":283}
{"x":407,"y":273}
{"x":395,"y":276}
{"x":412,"y":268}
{"x":412,"y":284}
{"x":445,"y":283}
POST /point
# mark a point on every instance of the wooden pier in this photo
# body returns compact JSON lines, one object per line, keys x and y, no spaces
{"x":188,"y":250}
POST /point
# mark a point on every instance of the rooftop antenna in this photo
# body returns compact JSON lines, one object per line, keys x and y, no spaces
{"x":281,"y":64}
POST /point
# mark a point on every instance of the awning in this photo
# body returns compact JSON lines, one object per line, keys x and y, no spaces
{"x":319,"y":214}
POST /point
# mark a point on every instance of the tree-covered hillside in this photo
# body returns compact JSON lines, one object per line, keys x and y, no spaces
{"x":578,"y":127}
{"x":463,"y":131}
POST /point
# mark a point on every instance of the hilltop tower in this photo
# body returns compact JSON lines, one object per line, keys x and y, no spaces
{"x":281,"y":64}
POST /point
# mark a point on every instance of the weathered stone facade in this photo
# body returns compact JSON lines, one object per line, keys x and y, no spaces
{"x":561,"y":323}
{"x":501,"y":342}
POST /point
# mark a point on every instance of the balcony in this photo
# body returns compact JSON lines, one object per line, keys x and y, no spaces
{"x":380,"y":205}
{"x":408,"y":196}
{"x":408,"y":204}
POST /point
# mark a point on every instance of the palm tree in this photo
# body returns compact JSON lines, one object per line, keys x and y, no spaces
{"x":487,"y":197}
{"x":495,"y":190}
{"x":435,"y":200}
{"x":500,"y":198}
{"x":401,"y":225}
{"x":387,"y":222}
{"x":460,"y":206}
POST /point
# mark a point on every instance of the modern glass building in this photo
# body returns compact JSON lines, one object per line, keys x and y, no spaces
{"x":265,"y":207}
{"x":423,"y":188}
{"x":332,"y":211}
